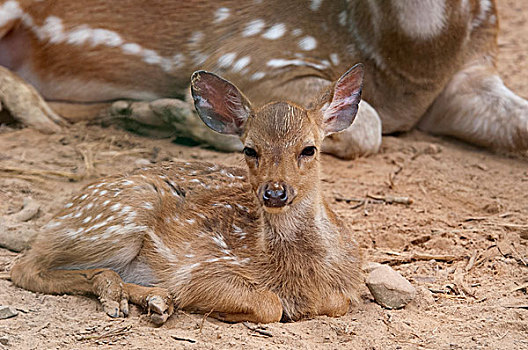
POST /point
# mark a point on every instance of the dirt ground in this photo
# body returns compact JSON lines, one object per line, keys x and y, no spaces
{"x":470,"y":209}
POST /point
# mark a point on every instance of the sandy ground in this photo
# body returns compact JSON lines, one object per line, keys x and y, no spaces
{"x":469,"y":204}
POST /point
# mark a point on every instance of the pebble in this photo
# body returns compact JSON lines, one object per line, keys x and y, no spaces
{"x":4,"y":340}
{"x":389,"y":288}
{"x":7,"y":312}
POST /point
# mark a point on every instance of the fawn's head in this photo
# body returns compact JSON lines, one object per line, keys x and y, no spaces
{"x":282,"y":141}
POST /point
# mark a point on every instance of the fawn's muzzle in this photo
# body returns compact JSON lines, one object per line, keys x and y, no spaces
{"x":274,"y":195}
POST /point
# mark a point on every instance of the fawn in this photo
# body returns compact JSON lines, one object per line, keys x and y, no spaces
{"x":256,"y":246}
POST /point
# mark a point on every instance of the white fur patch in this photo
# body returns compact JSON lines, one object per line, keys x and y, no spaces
{"x":9,"y":11}
{"x":257,"y":76}
{"x":275,"y":32}
{"x":226,"y":60}
{"x":241,"y":64}
{"x":484,"y":10}
{"x":421,"y":19}
{"x":307,"y":43}
{"x":315,"y":5}
{"x":221,"y":14}
{"x":279,"y":63}
{"x":253,"y":28}
{"x":342,"y":18}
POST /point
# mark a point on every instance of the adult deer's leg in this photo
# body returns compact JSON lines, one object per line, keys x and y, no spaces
{"x":477,"y":107}
{"x":26,"y":105}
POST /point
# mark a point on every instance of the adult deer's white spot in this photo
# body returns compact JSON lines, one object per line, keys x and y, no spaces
{"x":226,"y":60}
{"x":10,"y":10}
{"x":334,"y":58}
{"x":275,"y":32}
{"x":221,"y":14}
{"x":257,"y":76}
{"x":131,"y":48}
{"x":253,"y":28}
{"x":279,"y":63}
{"x":315,"y":5}
{"x":307,"y":43}
{"x":342,"y":18}
{"x":421,"y":19}
{"x":296,"y":32}
{"x":241,"y":64}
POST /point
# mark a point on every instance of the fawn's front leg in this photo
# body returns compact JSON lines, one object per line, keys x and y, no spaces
{"x":106,"y":284}
{"x":334,"y":305}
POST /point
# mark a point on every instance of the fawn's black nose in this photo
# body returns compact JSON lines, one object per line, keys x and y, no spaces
{"x":275,"y":195}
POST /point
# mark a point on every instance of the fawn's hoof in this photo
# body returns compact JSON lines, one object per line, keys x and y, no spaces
{"x":160,"y":307}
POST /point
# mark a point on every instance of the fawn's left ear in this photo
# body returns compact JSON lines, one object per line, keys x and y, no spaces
{"x":339,"y":105}
{"x":220,"y":104}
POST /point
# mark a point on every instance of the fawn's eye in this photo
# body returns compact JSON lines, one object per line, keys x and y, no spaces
{"x":250,"y":152}
{"x":308,"y":151}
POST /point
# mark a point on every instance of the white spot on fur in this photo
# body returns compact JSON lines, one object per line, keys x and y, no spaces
{"x":279,"y":63}
{"x":297,"y":32}
{"x":221,"y":14}
{"x":334,"y":58}
{"x":342,"y":18}
{"x":307,"y":43}
{"x":219,"y":240}
{"x":190,"y":221}
{"x":131,"y":48}
{"x":103,"y":192}
{"x":9,"y":11}
{"x":253,"y":28}
{"x":421,"y":19}
{"x":226,"y":60}
{"x":241,"y":64}
{"x":257,"y":76}
{"x":105,"y":203}
{"x":484,"y":8}
{"x":116,"y":207}
{"x":148,"y":205}
{"x":68,"y":205}
{"x":87,"y":219}
{"x":315,"y":5}
{"x":83,"y":197}
{"x":89,"y":206}
{"x":275,"y":32}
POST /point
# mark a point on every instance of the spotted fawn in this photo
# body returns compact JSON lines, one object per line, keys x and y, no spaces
{"x":257,"y":244}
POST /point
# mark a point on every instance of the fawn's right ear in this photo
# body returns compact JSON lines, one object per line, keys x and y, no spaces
{"x":220,"y":104}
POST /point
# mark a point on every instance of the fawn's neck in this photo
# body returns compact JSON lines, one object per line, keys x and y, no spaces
{"x":306,"y":226}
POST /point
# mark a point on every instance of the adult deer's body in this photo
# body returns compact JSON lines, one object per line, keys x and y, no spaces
{"x":428,"y":62}
{"x":257,"y":247}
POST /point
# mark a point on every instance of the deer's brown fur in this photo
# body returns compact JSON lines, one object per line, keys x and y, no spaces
{"x":208,"y":238}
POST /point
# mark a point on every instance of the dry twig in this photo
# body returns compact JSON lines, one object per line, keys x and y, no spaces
{"x":175,"y":337}
{"x":405,"y":258}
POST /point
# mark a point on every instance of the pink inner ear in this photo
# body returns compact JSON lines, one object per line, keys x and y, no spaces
{"x":219,"y":103}
{"x":344,"y":105}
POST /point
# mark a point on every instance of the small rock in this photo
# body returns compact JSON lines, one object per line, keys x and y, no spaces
{"x":389,"y":288}
{"x":524,"y":233}
{"x":370,"y":266}
{"x":29,"y":211}
{"x":4,"y":340}
{"x":142,"y":162}
{"x":7,"y":312}
{"x":15,"y":237}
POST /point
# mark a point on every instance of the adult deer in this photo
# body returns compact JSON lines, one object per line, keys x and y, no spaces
{"x":428,"y":63}
{"x":259,"y":247}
